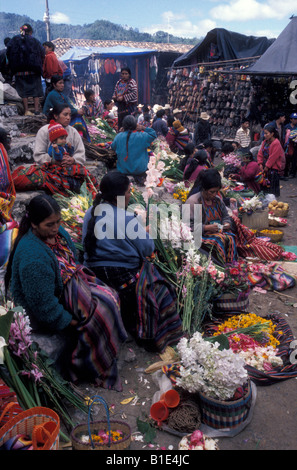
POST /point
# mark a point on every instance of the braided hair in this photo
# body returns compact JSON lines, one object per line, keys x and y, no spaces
{"x":129,"y":125}
{"x":112,"y":185}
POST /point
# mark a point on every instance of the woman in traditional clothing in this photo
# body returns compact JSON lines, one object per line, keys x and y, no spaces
{"x":224,"y":235}
{"x":271,"y":158}
{"x":56,"y":177}
{"x":217,"y":236}
{"x":55,"y":97}
{"x":125,"y":95}
{"x":64,"y":300}
{"x":116,"y":248}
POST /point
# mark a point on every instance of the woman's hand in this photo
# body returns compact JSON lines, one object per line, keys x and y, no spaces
{"x":211,"y":228}
{"x":226,"y":227}
{"x":67,"y":160}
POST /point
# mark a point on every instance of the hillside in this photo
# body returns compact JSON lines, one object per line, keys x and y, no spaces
{"x":100,"y":29}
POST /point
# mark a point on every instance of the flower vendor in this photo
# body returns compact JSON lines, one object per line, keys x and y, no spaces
{"x":116,"y":246}
{"x":216,"y":228}
{"x":131,"y":147}
{"x":195,"y":165}
{"x":53,"y":177}
{"x":93,"y":106}
{"x":249,"y":173}
{"x":64,"y":298}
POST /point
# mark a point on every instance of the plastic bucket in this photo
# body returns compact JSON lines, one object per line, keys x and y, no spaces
{"x":171,"y":398}
{"x":159,"y":411}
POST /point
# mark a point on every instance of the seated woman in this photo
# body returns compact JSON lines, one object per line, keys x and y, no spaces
{"x":177,"y":137}
{"x":232,"y":238}
{"x":55,"y":97}
{"x":195,"y":165}
{"x":116,"y":246}
{"x":249,"y":173}
{"x":93,"y":106}
{"x":61,"y":177}
{"x":64,"y":298}
{"x":216,"y":223}
{"x":271,"y":158}
{"x":131,"y":147}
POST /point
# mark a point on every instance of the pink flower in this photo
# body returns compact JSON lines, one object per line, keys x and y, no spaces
{"x":196,"y":438}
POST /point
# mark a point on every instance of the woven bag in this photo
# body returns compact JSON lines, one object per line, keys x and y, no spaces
{"x":90,"y":428}
{"x":41,"y":424}
{"x":225,"y":414}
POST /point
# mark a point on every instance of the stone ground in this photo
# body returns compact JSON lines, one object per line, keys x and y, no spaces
{"x":273,"y":424}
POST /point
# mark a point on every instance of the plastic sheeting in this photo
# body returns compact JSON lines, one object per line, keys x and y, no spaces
{"x":222,"y":45}
{"x":81,"y":53}
{"x":280,"y":58}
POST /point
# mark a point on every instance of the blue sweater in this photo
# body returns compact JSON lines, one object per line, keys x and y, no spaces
{"x":55,"y":97}
{"x":137,"y":160}
{"x":115,"y":246}
{"x":36,"y":283}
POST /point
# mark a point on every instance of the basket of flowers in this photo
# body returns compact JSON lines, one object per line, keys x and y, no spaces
{"x":219,"y":377}
{"x":198,"y":441}
{"x":234,"y":290}
{"x":101,"y":435}
{"x":274,"y":235}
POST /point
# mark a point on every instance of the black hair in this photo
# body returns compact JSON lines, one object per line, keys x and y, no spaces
{"x":56,"y":110}
{"x":160,"y":113}
{"x":27,"y":28}
{"x":249,"y":155}
{"x":112,"y":185}
{"x":107,"y":102}
{"x":271,"y":128}
{"x":189,"y":149}
{"x":88,"y":93}
{"x":56,"y":78}
{"x":123,"y":69}
{"x":227,"y":148}
{"x":208,"y":143}
{"x":199,"y":158}
{"x":210,"y":179}
{"x":129,"y":125}
{"x":49,"y":44}
{"x":170,"y":120}
{"x":6,"y":41}
{"x":39,"y":208}
{"x":4,"y":138}
{"x":280,"y":114}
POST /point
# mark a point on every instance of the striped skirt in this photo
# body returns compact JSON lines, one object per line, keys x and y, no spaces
{"x":222,"y":245}
{"x":100,"y":331}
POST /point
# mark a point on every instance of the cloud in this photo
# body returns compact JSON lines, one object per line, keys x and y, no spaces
{"x":180,"y":25}
{"x":244,"y":10}
{"x":59,"y":18}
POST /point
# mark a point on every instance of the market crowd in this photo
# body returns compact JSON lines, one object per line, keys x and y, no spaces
{"x":93,"y":304}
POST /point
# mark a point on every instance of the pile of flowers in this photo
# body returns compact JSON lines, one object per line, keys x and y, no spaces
{"x":103,"y":437}
{"x":101,"y":132}
{"x":231,"y":160}
{"x":251,"y":205}
{"x":207,"y":368}
{"x":197,"y":441}
{"x":253,"y":339}
{"x":235,"y":279}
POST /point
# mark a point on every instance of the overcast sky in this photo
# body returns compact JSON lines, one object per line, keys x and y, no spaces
{"x":188,"y":18}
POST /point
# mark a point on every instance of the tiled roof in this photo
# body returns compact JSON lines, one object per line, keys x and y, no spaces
{"x":64,"y":44}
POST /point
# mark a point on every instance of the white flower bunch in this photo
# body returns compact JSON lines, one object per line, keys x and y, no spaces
{"x":252,"y":204}
{"x":177,"y":232}
{"x":207,"y":369}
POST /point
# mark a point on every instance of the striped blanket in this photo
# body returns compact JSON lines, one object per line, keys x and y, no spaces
{"x":54,"y":178}
{"x":158,"y":320}
{"x":100,"y":332}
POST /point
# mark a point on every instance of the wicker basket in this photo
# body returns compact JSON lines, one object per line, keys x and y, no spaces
{"x":274,"y":237}
{"x":93,"y":427}
{"x":276,"y":223}
{"x":258,"y":220}
{"x":280,"y":212}
{"x":225,"y":414}
{"x":33,"y":422}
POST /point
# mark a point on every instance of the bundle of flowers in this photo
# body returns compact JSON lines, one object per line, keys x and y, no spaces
{"x":181,"y":191}
{"x":207,"y":368}
{"x":100,"y":131}
{"x":235,"y":279}
{"x":171,"y":160}
{"x":198,"y":441}
{"x":231,"y":160}
{"x":251,"y":205}
{"x":73,"y":209}
{"x":27,"y":370}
